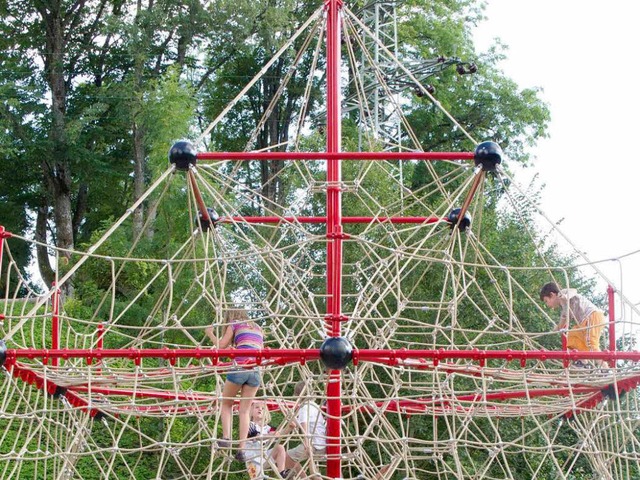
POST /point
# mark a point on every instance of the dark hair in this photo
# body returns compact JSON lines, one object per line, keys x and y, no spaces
{"x":547,"y":289}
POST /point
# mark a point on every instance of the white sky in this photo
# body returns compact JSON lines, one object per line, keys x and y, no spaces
{"x":584,"y":54}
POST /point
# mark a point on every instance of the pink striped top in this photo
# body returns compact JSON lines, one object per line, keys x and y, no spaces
{"x":247,"y":334}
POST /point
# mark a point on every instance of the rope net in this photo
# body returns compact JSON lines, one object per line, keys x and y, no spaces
{"x":456,"y":373}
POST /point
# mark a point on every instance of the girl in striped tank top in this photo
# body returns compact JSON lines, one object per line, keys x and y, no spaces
{"x":244,"y":334}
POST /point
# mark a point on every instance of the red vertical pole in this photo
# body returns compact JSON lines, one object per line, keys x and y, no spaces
{"x":334,"y":230}
{"x":2,"y":236}
{"x":563,"y":336}
{"x":100,"y":342}
{"x":55,"y":322}
{"x":612,"y":323}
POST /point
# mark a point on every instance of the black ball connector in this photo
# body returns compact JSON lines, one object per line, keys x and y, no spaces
{"x":60,"y":391}
{"x":3,"y":352}
{"x":454,"y":219}
{"x":182,"y":154}
{"x":98,"y":415}
{"x":611,"y":393}
{"x":489,"y":155}
{"x":336,"y":353}
{"x":211,"y":222}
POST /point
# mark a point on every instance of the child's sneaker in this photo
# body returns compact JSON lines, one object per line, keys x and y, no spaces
{"x":223,"y":443}
{"x":581,"y":365}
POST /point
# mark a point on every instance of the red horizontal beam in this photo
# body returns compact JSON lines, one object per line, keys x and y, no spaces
{"x":383,"y":356}
{"x":392,"y":356}
{"x":335,"y":156}
{"x":280,"y":355}
{"x":324,"y":219}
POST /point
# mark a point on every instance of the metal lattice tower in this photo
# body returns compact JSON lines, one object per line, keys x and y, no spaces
{"x":380,"y":17}
{"x":379,"y":49}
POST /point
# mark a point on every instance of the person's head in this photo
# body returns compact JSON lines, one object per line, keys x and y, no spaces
{"x":236,"y":315}
{"x":239,"y":315}
{"x":549,"y":295}
{"x":299,"y":388}
{"x":260,"y":412}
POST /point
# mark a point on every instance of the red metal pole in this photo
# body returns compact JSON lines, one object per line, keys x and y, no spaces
{"x":334,"y":230}
{"x":335,"y":155}
{"x":199,"y":201}
{"x":2,"y":237}
{"x":388,"y":357}
{"x":3,"y":234}
{"x":55,"y":322}
{"x":100,"y":342}
{"x":416,"y":220}
{"x":612,"y":323}
{"x":472,"y":191}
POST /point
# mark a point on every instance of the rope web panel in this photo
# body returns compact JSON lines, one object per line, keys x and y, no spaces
{"x":451,"y":377}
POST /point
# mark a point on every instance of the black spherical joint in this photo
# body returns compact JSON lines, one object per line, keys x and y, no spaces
{"x":336,"y":353}
{"x":97,"y":415}
{"x":59,"y":392}
{"x":454,"y":219}
{"x":3,"y":352}
{"x":182,"y":154}
{"x":489,"y":155}
{"x":207,"y":224}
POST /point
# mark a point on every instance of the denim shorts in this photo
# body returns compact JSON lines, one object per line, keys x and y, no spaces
{"x":249,"y":377}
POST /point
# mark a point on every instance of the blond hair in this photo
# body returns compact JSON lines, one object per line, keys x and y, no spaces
{"x":266,"y":417}
{"x":235,"y":314}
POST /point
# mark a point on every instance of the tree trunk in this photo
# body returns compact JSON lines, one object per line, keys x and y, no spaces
{"x":82,"y":203}
{"x":272,"y":184}
{"x":57,"y":171}
{"x":42,"y":252}
{"x":138,"y":177}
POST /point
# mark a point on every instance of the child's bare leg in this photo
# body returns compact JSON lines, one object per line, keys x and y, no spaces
{"x":244,"y":412}
{"x":279,"y":456}
{"x":229,"y":392}
{"x":292,"y":464}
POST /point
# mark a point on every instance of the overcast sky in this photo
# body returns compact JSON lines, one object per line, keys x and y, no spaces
{"x":584,"y":55}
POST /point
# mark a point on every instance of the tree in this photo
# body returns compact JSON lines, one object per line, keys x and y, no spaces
{"x":267,"y":110}
{"x":96,"y":63}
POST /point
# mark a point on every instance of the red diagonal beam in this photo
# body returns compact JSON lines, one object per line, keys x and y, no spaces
{"x":40,"y":382}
